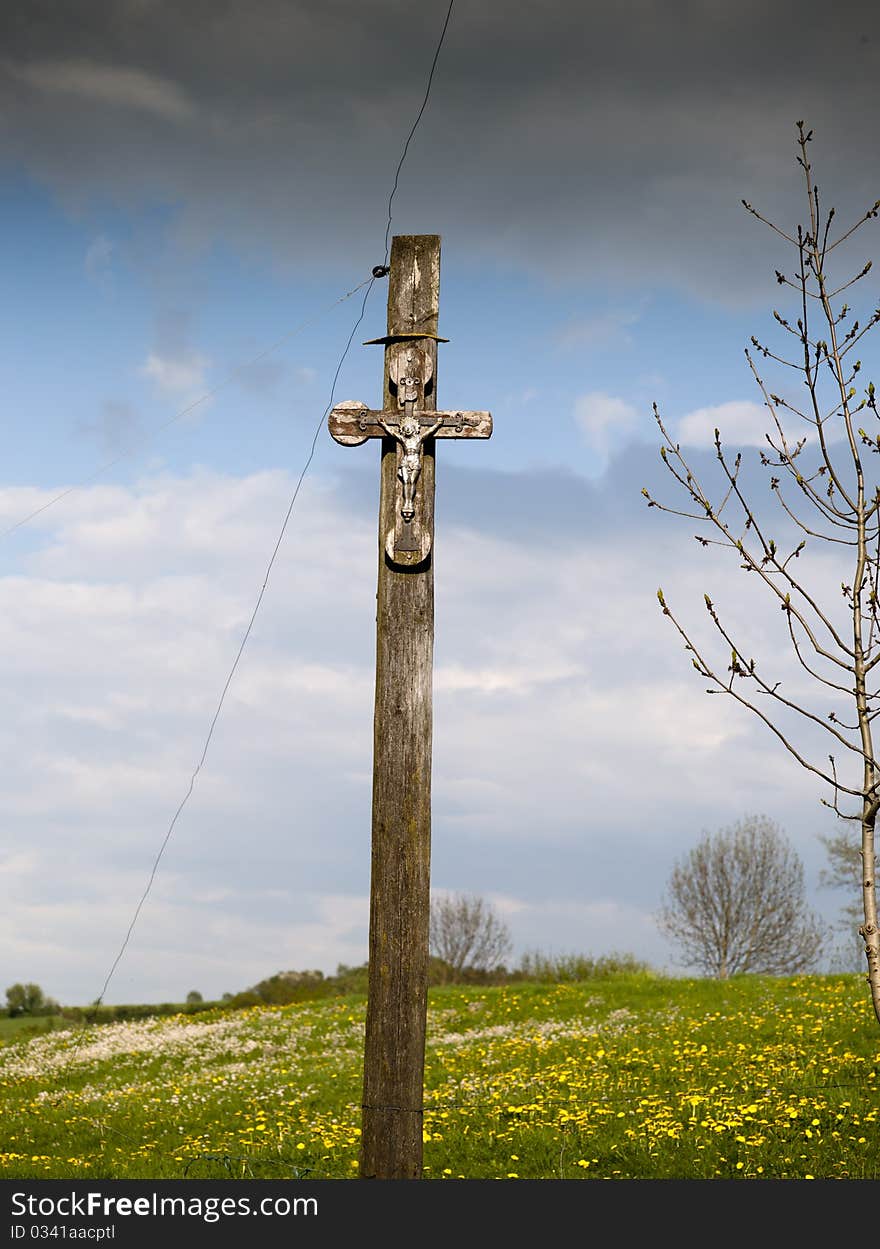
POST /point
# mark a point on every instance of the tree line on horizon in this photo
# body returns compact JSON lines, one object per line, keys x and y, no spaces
{"x":734,"y":905}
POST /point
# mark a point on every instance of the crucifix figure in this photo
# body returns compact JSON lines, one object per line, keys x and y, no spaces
{"x":410,"y":370}
{"x":412,"y":423}
{"x":410,"y":435}
{"x":408,"y":425}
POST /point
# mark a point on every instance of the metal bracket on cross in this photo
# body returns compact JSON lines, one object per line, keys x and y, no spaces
{"x":411,"y":425}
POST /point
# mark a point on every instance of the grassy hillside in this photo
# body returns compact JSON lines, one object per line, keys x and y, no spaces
{"x":28,"y":1025}
{"x":632,"y":1077}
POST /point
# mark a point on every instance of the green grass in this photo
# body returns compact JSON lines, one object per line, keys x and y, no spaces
{"x":630,"y":1077}
{"x":28,"y":1026}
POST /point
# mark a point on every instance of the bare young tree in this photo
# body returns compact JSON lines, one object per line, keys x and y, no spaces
{"x":735,"y":903}
{"x":823,"y":476}
{"x":467,"y":933}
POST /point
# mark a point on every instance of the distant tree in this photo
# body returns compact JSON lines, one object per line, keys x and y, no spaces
{"x":735,"y":903}
{"x":825,"y":482}
{"x":467,"y":934}
{"x":25,"y":999}
{"x":194,"y":997}
{"x":844,"y":871}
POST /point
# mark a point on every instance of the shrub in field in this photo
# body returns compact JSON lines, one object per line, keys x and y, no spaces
{"x":131,"y":1010}
{"x":572,"y":968}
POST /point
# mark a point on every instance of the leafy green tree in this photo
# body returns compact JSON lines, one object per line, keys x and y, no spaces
{"x":25,"y":999}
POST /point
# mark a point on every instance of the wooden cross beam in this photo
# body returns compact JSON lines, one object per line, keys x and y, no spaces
{"x":400,"y":887}
{"x":410,"y":423}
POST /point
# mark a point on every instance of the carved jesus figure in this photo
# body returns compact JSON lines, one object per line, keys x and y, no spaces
{"x":411,"y":435}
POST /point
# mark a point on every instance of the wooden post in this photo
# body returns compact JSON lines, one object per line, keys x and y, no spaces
{"x":400,"y":886}
{"x":394,"y":1056}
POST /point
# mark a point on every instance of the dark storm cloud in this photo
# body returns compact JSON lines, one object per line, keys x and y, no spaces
{"x":572,"y":140}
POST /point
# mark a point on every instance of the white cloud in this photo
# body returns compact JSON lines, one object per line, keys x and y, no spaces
{"x":69,"y":942}
{"x":115,"y":86}
{"x":741,"y":423}
{"x":567,"y":718}
{"x":512,"y":677}
{"x":177,"y":375}
{"x":605,"y":420}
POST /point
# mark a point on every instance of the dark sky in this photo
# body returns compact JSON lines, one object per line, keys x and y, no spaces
{"x":567,"y":139}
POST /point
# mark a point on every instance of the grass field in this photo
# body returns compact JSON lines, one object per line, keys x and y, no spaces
{"x":636,"y":1077}
{"x":26,"y":1026}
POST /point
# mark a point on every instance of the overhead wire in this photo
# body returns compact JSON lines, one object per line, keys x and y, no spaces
{"x":190,"y":407}
{"x":416,"y":123}
{"x":378,"y":271}
{"x":240,"y":651}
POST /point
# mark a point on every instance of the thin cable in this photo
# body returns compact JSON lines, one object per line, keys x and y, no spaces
{"x":379,"y":271}
{"x":184,"y":411}
{"x":238,"y":656}
{"x":416,"y":122}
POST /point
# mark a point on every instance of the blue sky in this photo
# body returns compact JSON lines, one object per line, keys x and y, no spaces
{"x":181,"y":192}
{"x":123,"y":292}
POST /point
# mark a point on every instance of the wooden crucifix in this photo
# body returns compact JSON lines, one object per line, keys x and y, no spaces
{"x":411,"y":422}
{"x":400,"y":890}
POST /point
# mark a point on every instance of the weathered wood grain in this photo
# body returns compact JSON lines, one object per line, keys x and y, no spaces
{"x":391,"y":1141}
{"x":352,"y":424}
